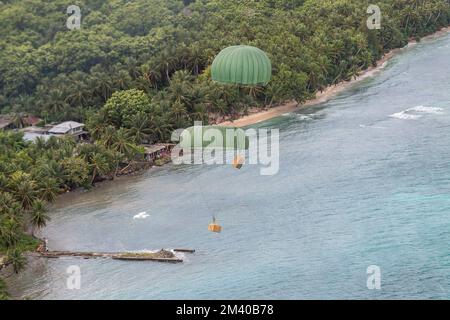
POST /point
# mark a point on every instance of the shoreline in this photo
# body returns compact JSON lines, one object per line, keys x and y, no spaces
{"x":329,"y":92}
{"x":262,"y":115}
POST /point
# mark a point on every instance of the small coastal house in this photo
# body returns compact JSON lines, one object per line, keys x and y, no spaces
{"x":69,"y":128}
{"x":156,"y":151}
{"x":16,"y":121}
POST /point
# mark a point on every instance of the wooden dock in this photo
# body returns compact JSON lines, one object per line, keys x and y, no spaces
{"x":160,"y":256}
{"x":135,"y":258}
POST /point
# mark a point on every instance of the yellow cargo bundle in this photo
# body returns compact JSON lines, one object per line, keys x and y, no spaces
{"x":214,"y":227}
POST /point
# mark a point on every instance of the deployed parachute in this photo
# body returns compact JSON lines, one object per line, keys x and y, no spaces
{"x":232,"y":138}
{"x":239,"y":65}
{"x":243,"y":65}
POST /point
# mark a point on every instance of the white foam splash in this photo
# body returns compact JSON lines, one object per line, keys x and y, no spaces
{"x":416,"y":112}
{"x":423,"y":109}
{"x":371,"y":126}
{"x":142,"y":215}
{"x":405,"y":116}
{"x":297,"y":115}
{"x":303,"y":117}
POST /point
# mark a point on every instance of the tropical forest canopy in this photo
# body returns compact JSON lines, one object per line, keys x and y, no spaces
{"x":165,"y":48}
{"x":136,"y":70}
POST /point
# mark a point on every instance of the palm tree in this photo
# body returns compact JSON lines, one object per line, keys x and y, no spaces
{"x":96,"y":124}
{"x":52,"y":142}
{"x":124,"y":143}
{"x":182,"y":76}
{"x":117,"y":159}
{"x":161,"y":128}
{"x":253,"y":91}
{"x":86,"y":150}
{"x":108,"y":136}
{"x":15,"y":258}
{"x":99,"y":166}
{"x":132,"y":67}
{"x":195,"y":58}
{"x":167,"y":58}
{"x":25,"y":192}
{"x":179,"y":113}
{"x":48,"y":189}
{"x":121,"y":80}
{"x":179,"y":92}
{"x":200,"y":113}
{"x":17,"y":120}
{"x":140,"y":128}
{"x":40,"y":143}
{"x":101,"y":83}
{"x":6,"y":200}
{"x":54,"y":102}
{"x":15,"y":214}
{"x":151,"y":73}
{"x":10,"y":230}
{"x":51,"y":168}
{"x":80,"y":92}
{"x":39,"y":216}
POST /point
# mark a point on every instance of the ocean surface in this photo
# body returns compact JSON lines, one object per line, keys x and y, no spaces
{"x":364,"y":180}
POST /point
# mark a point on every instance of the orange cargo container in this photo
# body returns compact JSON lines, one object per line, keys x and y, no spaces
{"x":214,"y":227}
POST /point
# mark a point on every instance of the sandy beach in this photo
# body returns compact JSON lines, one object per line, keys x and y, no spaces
{"x":328,"y":93}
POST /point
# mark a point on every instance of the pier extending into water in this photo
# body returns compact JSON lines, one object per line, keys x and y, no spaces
{"x":159,"y":256}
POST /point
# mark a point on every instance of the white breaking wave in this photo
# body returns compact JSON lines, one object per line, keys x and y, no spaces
{"x":142,"y":215}
{"x":297,"y":116}
{"x":416,"y":112}
{"x":405,"y":116}
{"x":371,"y":126}
{"x":423,"y":109}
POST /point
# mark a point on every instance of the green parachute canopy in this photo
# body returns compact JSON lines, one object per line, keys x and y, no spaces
{"x":202,"y":137}
{"x":243,"y":65}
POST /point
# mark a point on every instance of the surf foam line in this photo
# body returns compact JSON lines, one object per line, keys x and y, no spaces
{"x":416,"y":112}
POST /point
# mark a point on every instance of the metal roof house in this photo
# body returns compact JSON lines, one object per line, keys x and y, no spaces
{"x":71,"y":128}
{"x":33,"y":132}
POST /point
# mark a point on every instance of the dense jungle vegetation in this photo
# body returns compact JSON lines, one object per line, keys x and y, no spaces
{"x":136,"y":70}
